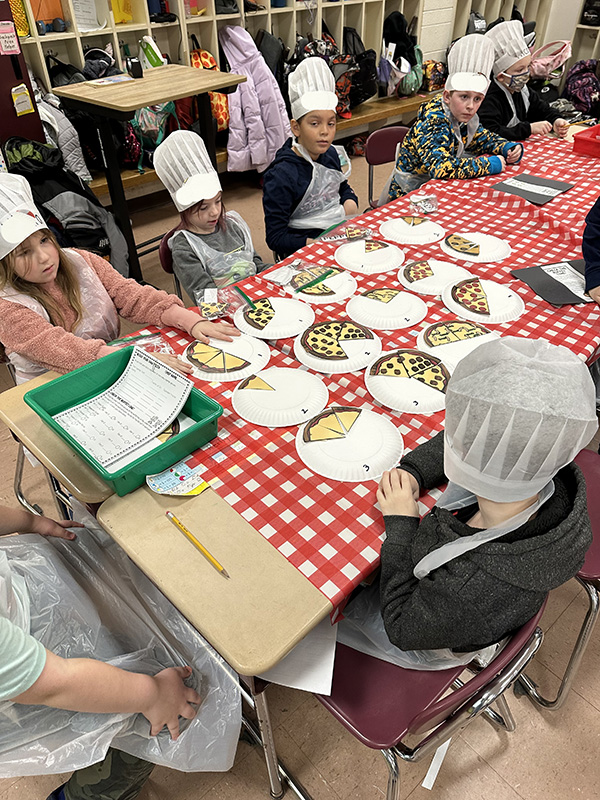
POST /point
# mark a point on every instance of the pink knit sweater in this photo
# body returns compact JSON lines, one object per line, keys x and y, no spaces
{"x":25,"y":332}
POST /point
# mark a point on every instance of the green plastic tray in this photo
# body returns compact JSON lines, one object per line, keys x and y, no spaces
{"x":92,"y":379}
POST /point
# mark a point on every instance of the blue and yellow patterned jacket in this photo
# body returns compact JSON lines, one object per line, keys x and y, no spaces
{"x":430,"y":148}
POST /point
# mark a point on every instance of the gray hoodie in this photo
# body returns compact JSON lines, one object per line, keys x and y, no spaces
{"x":481,"y":596}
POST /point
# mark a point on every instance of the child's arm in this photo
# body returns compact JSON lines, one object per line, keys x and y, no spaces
{"x":491,"y":114}
{"x":438,"y":155}
{"x":485,"y":142}
{"x":280,"y":199}
{"x":17,"y":520}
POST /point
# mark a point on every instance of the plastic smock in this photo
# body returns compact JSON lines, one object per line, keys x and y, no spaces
{"x":224,"y":268}
{"x":19,"y":217}
{"x":183,"y":165}
{"x":517,"y":411}
{"x":510,"y":46}
{"x":320,"y":206}
{"x":100,"y":319}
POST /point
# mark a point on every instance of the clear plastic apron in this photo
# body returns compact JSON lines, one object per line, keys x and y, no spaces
{"x":524,"y":94}
{"x":320,"y":208}
{"x":225,"y":268}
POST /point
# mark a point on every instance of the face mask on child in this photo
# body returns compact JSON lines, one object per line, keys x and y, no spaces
{"x":517,"y":82}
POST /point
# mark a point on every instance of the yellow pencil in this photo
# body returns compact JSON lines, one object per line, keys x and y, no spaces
{"x":210,"y":558}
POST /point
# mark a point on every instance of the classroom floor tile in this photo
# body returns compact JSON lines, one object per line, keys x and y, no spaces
{"x":549,"y":755}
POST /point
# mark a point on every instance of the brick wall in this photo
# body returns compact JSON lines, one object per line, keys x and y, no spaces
{"x":436,"y":28}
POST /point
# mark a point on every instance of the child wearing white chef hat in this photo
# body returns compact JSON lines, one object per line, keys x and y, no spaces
{"x":513,"y":522}
{"x":509,"y":108}
{"x":212,"y":247}
{"x":447,"y":140}
{"x":305,"y":190}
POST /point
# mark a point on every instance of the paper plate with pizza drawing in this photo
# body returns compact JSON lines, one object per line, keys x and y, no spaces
{"x":411,"y":230}
{"x":386,"y":309}
{"x":349,"y":444}
{"x":408,"y":380}
{"x":430,"y":276}
{"x":453,"y":339}
{"x":476,"y":247}
{"x":280,"y":396}
{"x":228,"y":361}
{"x":336,"y":346}
{"x":369,"y":256}
{"x":481,"y":300}
{"x":274,"y":318}
{"x":337,"y":286}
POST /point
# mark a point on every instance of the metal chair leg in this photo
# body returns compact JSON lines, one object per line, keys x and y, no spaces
{"x":527,"y":686}
{"x":61,"y":499}
{"x":393,"y":787}
{"x":17,"y":484}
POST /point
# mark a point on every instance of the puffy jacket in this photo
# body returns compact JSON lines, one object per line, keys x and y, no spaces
{"x":258,"y":124}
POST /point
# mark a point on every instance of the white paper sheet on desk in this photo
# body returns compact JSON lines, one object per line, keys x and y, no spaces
{"x":309,"y":666}
{"x":144,"y":400}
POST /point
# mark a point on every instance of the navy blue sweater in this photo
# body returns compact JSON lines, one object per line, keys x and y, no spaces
{"x":285,"y":183}
{"x":591,"y":247}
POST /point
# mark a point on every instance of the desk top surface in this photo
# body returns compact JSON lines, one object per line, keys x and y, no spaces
{"x":255,"y":617}
{"x":159,"y":85}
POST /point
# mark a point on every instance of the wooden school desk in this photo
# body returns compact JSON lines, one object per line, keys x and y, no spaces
{"x":120,"y":101}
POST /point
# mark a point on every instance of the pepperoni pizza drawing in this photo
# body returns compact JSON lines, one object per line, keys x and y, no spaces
{"x":408,"y":380}
{"x":482,"y":300}
{"x":336,"y":346}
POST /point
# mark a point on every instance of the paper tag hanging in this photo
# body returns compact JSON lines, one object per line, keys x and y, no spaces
{"x":21,"y":100}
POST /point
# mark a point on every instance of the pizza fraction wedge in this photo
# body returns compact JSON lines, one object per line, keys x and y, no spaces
{"x":260,"y":316}
{"x":381,"y":295}
{"x":462,"y":245}
{"x":212,"y":310}
{"x":413,"y":364}
{"x":308,"y":275}
{"x":333,"y":423}
{"x":354,"y":232}
{"x":412,"y":221}
{"x":256,"y":382}
{"x":454,"y":331}
{"x":212,"y":359}
{"x":322,"y":340}
{"x":371,"y":246}
{"x":471,"y":295}
{"x":417,"y":271}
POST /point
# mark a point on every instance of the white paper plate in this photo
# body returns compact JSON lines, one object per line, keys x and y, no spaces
{"x":321,"y":349}
{"x":247,"y":355}
{"x":335,"y":288}
{"x":386,"y":309}
{"x":369,"y":256}
{"x":490,"y":247}
{"x":411,"y":229}
{"x":436,"y":275}
{"x":388,"y":379}
{"x":363,"y":446}
{"x":452,"y":340}
{"x":503,"y":304}
{"x":279,"y":396}
{"x":274,"y":318}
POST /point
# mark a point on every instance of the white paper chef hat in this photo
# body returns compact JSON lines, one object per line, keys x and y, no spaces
{"x":311,"y":87}
{"x":182,"y":163}
{"x":509,"y":43}
{"x":517,"y":411}
{"x":19,"y":217}
{"x":470,"y":62}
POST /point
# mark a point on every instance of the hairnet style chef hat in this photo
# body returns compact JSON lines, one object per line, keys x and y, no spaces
{"x":517,"y":411}
{"x":470,"y":62}
{"x":183,"y":165}
{"x":19,"y":217}
{"x":311,"y":87}
{"x":509,"y":44}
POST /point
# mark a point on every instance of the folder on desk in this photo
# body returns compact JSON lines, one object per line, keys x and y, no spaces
{"x":533,"y":188}
{"x":560,"y":284}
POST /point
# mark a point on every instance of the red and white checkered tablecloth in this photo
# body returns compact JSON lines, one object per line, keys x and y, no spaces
{"x":331,"y":530}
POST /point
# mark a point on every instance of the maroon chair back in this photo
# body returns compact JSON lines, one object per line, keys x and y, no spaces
{"x":589,"y":462}
{"x":164,"y":252}
{"x":381,"y":145}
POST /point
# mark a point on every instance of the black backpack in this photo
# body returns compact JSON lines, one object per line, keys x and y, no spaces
{"x":364,"y":80}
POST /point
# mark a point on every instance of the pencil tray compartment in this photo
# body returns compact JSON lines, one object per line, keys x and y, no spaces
{"x":92,"y":379}
{"x":587,"y":143}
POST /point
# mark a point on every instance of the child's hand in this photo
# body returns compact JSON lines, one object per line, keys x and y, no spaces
{"x":174,"y":363}
{"x":541,"y":127}
{"x":397,"y":493}
{"x":561,"y":127}
{"x":172,"y":699}
{"x":514,"y":154}
{"x":502,"y":163}
{"x":350,"y":207}
{"x":203,"y":330}
{"x":48,"y":527}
